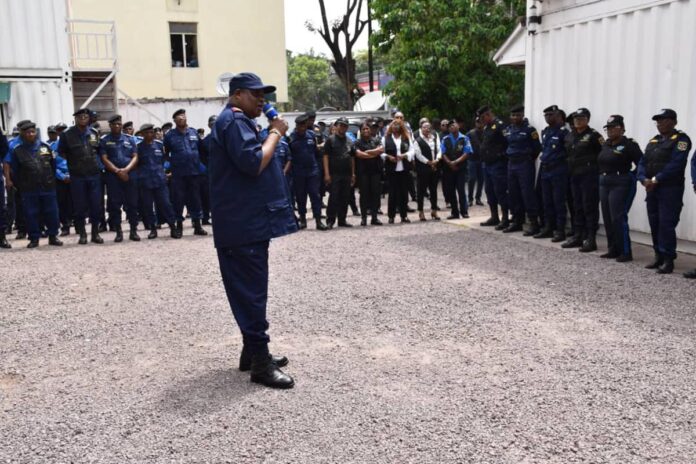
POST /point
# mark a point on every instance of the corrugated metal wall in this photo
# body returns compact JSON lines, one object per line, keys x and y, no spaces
{"x":619,"y":57}
{"x":34,"y":59}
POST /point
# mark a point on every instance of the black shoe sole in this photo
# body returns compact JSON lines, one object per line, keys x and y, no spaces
{"x":271,"y":385}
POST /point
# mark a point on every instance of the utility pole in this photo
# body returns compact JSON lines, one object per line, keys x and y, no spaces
{"x":369,"y":47}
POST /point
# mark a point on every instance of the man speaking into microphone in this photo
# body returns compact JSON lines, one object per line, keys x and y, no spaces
{"x":250,"y":205}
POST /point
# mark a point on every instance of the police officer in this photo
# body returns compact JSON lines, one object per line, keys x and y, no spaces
{"x":476,"y":176}
{"x":523,"y":148}
{"x":250,"y":208}
{"x":153,"y":182}
{"x":4,"y":148}
{"x":582,"y":148}
{"x":119,"y":154}
{"x":553,"y":174}
{"x":283,"y":158}
{"x":493,"y":147}
{"x":455,"y":149}
{"x":65,"y":209}
{"x":339,"y":173}
{"x":79,"y":146}
{"x":306,"y":177}
{"x":205,"y":183}
{"x":617,"y":187}
{"x":661,"y":171}
{"x":33,"y":168}
{"x":14,"y":196}
{"x":181,"y":149}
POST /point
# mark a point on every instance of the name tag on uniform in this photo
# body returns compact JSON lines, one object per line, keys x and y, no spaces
{"x":193,"y":137}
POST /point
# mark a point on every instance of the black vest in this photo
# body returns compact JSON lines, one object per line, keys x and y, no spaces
{"x":582,"y":150}
{"x":493,"y":143}
{"x":390,"y":149}
{"x":37,"y":170}
{"x":425,"y":148}
{"x":658,"y":154}
{"x":81,"y":156}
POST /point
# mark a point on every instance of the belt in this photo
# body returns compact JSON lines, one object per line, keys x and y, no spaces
{"x":614,"y":173}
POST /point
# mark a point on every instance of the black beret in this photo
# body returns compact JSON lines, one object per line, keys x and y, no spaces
{"x":128,"y":124}
{"x":147,"y":126}
{"x":582,"y":112}
{"x":61,"y":125}
{"x":178,"y":112}
{"x":517,"y":109}
{"x":615,"y":120}
{"x":25,"y":125}
{"x":301,"y":119}
{"x":115,"y":118}
{"x":482,"y":110}
{"x":551,"y":109}
{"x":167,"y":125}
{"x":82,"y":111}
{"x":52,"y":130}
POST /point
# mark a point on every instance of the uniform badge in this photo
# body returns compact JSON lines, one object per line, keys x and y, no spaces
{"x":601,"y":140}
{"x":585,"y":138}
{"x":682,"y":146}
{"x":653,"y":141}
{"x":43,"y":151}
{"x":535,"y":135}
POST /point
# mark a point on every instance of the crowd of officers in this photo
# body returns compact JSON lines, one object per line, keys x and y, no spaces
{"x":153,"y":174}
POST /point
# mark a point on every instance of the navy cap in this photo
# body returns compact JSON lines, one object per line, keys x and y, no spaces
{"x":247,"y":80}
{"x":212,"y":119}
{"x":551,"y":109}
{"x":82,"y":111}
{"x":301,"y":119}
{"x":343,"y":121}
{"x":61,"y":126}
{"x":167,"y":125}
{"x":115,"y":118}
{"x":147,"y":126}
{"x":665,"y":113}
{"x":25,"y":125}
{"x":178,"y":112}
{"x":482,"y":110}
{"x":615,"y":120}
{"x":51,"y":130}
{"x":517,"y":109}
{"x":127,"y":124}
{"x":582,"y":113}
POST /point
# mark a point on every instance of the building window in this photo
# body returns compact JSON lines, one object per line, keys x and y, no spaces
{"x":184,"y":43}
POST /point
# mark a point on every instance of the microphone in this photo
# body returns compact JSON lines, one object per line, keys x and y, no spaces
{"x":270,"y":112}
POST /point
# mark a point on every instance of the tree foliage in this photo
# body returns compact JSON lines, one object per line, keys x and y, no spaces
{"x":311,"y":85}
{"x":440,"y":54}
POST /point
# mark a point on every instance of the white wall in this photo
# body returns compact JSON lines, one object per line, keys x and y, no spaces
{"x":629,"y":57}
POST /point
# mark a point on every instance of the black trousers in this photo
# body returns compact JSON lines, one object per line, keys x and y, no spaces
{"x":585,"y":189}
{"x":616,"y":193}
{"x":398,"y":193}
{"x":65,"y":208}
{"x":339,"y":196}
{"x":427,"y":180}
{"x":370,"y":189}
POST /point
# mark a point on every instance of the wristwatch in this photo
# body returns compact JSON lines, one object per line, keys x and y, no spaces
{"x":275,"y":131}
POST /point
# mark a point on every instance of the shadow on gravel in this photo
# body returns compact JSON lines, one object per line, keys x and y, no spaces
{"x":211,"y":391}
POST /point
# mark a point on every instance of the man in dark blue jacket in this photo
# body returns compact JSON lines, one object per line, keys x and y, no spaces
{"x":250,"y":205}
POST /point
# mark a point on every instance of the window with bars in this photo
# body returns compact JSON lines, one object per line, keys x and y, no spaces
{"x":184,"y":45}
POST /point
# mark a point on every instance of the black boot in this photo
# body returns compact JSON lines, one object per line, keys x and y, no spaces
{"x":174,"y":231}
{"x":245,"y":360}
{"x":573,"y":242}
{"x":375,"y":221}
{"x":504,"y":224}
{"x":690,"y":274}
{"x":302,"y":223}
{"x":3,"y":240}
{"x":33,"y":243}
{"x":546,"y":232}
{"x":491,"y":221}
{"x":265,"y":372}
{"x":153,"y":233}
{"x":198,"y":228}
{"x":363,"y":221}
{"x":667,"y":266}
{"x":180,"y":227}
{"x":53,"y":240}
{"x":133,"y":235}
{"x":119,"y":234}
{"x":320,"y":224}
{"x":558,"y":236}
{"x":95,"y":234}
{"x":657,"y":262}
{"x":514,"y":226}
{"x":82,"y":231}
{"x":533,"y":227}
{"x":590,"y":244}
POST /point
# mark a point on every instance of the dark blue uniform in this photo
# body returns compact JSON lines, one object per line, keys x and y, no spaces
{"x":522,"y":150}
{"x":582,"y":150}
{"x":665,"y":160}
{"x":493,"y":148}
{"x":65,"y":208}
{"x":33,"y":170}
{"x":306,"y":177}
{"x":153,"y":182}
{"x":204,"y":152}
{"x":120,"y":150}
{"x":553,"y":173}
{"x":249,"y":208}
{"x":181,"y":150}
{"x":454,"y":148}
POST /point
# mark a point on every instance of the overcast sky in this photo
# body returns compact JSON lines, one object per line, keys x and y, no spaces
{"x":299,"y":39}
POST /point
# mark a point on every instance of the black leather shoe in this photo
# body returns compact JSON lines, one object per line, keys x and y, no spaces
{"x":624,"y":258}
{"x":33,"y":244}
{"x":465,"y":215}
{"x":265,"y":372}
{"x":83,"y":237}
{"x":546,"y":232}
{"x":513,"y":227}
{"x":198,"y":228}
{"x":245,"y":361}
{"x":490,"y":222}
{"x":174,"y":231}
{"x":588,"y":245}
{"x":391,"y":220}
{"x":573,"y":242}
{"x":180,"y":227}
{"x":344,"y":224}
{"x":53,"y":241}
{"x":95,"y":235}
{"x":479,"y":203}
{"x":405,"y":220}
{"x":452,"y":216}
{"x":152,"y":234}
{"x":503,"y":225}
{"x":363,"y":222}
{"x":119,"y":235}
{"x":690,"y":274}
{"x":558,"y":236}
{"x":302,"y":223}
{"x":667,"y":266}
{"x":657,"y":262}
{"x":609,"y":255}
{"x":133,"y":235}
{"x":376,"y":222}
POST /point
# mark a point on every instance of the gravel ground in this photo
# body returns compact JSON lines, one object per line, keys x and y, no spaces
{"x":409,"y":344}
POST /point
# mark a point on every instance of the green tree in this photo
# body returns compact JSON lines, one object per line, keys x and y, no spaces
{"x":439,"y":52}
{"x":311,"y":84}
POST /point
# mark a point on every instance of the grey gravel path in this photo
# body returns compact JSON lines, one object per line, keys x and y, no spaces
{"x":422,"y":343}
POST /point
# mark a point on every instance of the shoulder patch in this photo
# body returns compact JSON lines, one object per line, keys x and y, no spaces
{"x":535,"y":135}
{"x":601,"y":140}
{"x":682,"y":146}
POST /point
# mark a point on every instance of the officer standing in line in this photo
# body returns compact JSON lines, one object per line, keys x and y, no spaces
{"x":204,"y":149}
{"x":661,"y":171}
{"x":65,"y":209}
{"x":128,"y":128}
{"x":14,"y":196}
{"x":4,"y":148}
{"x":181,"y":149}
{"x":553,"y":173}
{"x":339,"y":173}
{"x":33,"y":168}
{"x":476,"y":176}
{"x":582,"y":148}
{"x":79,"y":145}
{"x":250,"y":208}
{"x":119,"y":154}
{"x":153,"y":182}
{"x":493,"y":147}
{"x":617,"y":187}
{"x":522,"y":152}
{"x":283,"y":157}
{"x":305,"y":171}
{"x":455,"y":149}
{"x":692,"y":273}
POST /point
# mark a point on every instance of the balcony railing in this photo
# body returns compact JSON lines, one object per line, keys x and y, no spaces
{"x":92,"y":45}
